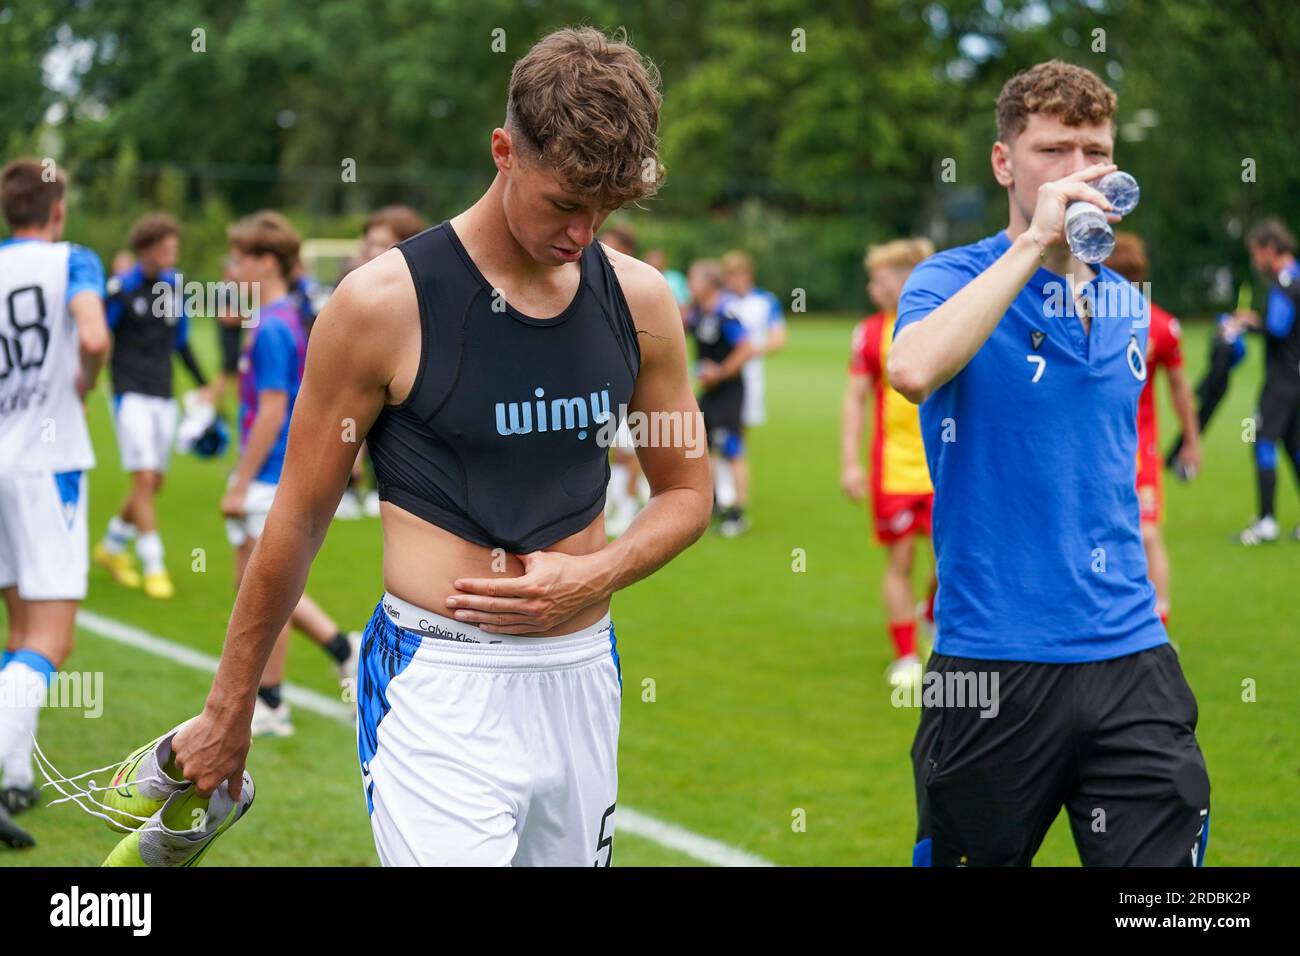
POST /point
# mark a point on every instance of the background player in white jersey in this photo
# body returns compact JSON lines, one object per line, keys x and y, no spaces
{"x":760,"y":313}
{"x":53,"y":343}
{"x":489,"y":687}
{"x":146,"y":313}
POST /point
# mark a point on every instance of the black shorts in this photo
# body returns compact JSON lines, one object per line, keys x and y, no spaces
{"x":722,"y":412}
{"x":1278,"y":418}
{"x":229,"y":339}
{"x":1114,"y":742}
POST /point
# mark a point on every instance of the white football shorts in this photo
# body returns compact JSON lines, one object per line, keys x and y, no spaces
{"x":146,"y":425}
{"x":482,"y":749}
{"x":257,"y":505}
{"x":43,"y":543}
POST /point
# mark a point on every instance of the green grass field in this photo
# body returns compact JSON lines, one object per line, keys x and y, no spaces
{"x":768,"y":686}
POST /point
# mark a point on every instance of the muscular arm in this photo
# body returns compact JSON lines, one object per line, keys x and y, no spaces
{"x":930,"y":352}
{"x":681,"y":489}
{"x":347,"y":373}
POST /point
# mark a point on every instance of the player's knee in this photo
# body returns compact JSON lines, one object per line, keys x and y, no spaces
{"x":900,"y":558}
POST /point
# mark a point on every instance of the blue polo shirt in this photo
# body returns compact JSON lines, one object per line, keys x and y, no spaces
{"x":1032,"y":448}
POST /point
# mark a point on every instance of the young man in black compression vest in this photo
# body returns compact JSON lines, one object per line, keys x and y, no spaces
{"x":482,"y":360}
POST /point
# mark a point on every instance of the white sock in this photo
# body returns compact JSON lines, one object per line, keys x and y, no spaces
{"x":22,"y":692}
{"x":120,"y":534}
{"x":724,"y":483}
{"x":150,"y":549}
{"x":16,"y":765}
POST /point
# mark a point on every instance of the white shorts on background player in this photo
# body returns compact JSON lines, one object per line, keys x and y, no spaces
{"x":146,"y":427}
{"x":45,"y":447}
{"x":759,"y":312}
{"x":257,"y":505}
{"x":43,"y":538}
{"x":488,"y":754}
{"x":754,"y":410}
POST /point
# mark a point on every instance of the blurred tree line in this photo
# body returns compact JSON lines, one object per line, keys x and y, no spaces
{"x":799,"y":131}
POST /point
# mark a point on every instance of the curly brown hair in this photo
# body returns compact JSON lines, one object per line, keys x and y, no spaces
{"x":587,"y":106}
{"x":1073,"y":94}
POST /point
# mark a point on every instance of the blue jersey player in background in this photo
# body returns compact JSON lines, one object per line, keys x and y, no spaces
{"x":1272,"y":253}
{"x":146,"y":313}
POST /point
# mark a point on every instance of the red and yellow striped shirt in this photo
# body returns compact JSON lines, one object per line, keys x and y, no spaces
{"x":897,"y":453}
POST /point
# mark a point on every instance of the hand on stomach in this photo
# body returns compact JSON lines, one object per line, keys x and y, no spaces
{"x":541,"y":594}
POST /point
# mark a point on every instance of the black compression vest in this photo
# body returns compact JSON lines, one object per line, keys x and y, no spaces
{"x":505,"y":436}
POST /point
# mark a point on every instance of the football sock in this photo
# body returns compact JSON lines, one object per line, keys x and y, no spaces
{"x":1267,"y":478}
{"x":724,"y":484}
{"x":338,"y":647}
{"x":120,"y":535}
{"x":24,"y":683}
{"x":270,"y":695}
{"x":149,"y":547}
{"x":903,"y":634}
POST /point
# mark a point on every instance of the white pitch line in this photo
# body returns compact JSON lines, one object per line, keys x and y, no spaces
{"x":702,"y":848}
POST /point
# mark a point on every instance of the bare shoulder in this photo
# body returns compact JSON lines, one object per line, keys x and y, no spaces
{"x":654,"y":310}
{"x":370,"y":317}
{"x":378,"y":296}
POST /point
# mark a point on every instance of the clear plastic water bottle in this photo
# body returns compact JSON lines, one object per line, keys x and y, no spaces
{"x":1087,"y":232}
{"x":1122,"y":191}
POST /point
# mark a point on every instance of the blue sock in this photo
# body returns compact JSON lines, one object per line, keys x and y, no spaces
{"x":5,"y":658}
{"x":36,"y":661}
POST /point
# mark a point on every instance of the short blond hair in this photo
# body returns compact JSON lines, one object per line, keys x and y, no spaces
{"x":738,"y":261}
{"x":899,"y":253}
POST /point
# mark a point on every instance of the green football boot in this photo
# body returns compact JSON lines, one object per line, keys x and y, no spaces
{"x":184,"y":828}
{"x":142,"y":783}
